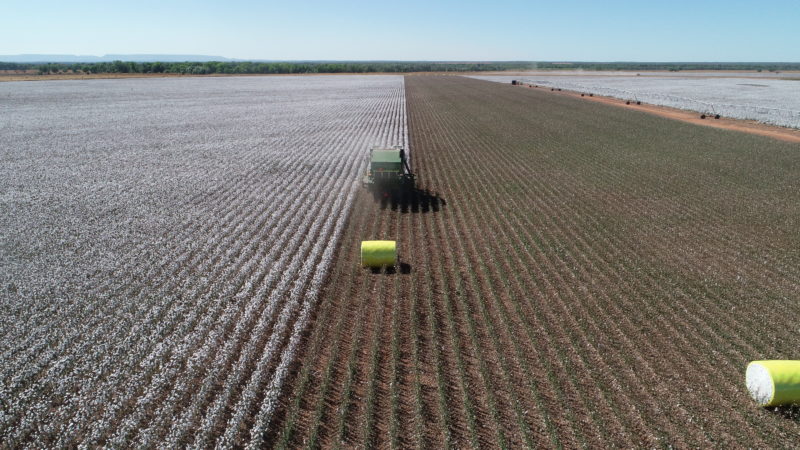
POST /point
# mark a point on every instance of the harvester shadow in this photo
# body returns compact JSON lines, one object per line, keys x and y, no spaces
{"x":791,"y":412}
{"x":415,"y":201}
{"x":402,"y":268}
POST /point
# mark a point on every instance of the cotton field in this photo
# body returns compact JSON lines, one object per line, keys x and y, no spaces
{"x":772,"y":101}
{"x":595,"y":277}
{"x":163,"y":242}
{"x":180,"y":265}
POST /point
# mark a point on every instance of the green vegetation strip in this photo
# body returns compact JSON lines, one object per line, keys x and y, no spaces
{"x":300,"y":67}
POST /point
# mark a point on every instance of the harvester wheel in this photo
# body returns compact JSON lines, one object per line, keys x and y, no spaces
{"x":717,"y":116}
{"x":628,"y":102}
{"x":702,"y":116}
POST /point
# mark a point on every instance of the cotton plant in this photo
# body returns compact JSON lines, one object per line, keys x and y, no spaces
{"x":247,"y":269}
{"x":205,"y":228}
{"x":771,"y":101}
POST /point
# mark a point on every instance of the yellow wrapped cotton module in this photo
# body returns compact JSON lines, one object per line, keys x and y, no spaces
{"x":378,"y":253}
{"x":774,"y":383}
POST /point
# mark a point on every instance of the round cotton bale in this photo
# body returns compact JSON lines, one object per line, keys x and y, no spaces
{"x":774,"y":382}
{"x":378,"y":253}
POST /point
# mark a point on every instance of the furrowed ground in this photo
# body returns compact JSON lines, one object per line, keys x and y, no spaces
{"x":580,"y":275}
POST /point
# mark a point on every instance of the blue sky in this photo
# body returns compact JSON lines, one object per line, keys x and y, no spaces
{"x":410,"y":30}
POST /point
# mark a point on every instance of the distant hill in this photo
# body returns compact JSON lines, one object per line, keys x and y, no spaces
{"x":35,"y":58}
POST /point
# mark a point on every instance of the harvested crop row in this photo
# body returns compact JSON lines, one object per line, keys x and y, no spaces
{"x":768,"y":101}
{"x":597,"y":277}
{"x":160,"y":299}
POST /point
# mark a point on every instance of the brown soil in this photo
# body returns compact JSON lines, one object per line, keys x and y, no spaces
{"x":700,"y":74}
{"x":579,"y":275}
{"x":746,"y":126}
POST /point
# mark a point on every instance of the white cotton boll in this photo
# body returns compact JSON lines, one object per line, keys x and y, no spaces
{"x":770,"y":101}
{"x":759,"y":383}
{"x":774,"y":382}
{"x":184,"y":250}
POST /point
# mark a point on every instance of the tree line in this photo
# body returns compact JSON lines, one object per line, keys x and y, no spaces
{"x":249,"y":67}
{"x":670,"y":66}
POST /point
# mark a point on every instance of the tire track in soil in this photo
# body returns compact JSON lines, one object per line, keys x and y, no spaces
{"x":524,"y":320}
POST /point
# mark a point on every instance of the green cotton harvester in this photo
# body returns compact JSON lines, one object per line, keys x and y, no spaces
{"x":388,"y":170}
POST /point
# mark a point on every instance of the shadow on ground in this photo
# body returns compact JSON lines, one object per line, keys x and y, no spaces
{"x":401,"y":268}
{"x":410,"y":201}
{"x":791,"y":412}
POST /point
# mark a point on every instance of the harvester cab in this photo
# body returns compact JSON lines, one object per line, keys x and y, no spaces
{"x":388,"y":170}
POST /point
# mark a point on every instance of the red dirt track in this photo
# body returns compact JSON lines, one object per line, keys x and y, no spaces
{"x":578,"y":274}
{"x":693,"y":117}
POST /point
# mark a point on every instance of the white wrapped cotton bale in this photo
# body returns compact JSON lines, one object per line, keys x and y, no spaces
{"x":774,"y":383}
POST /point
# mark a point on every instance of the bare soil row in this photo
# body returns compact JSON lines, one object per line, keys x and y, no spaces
{"x":693,"y":117}
{"x":576,"y":274}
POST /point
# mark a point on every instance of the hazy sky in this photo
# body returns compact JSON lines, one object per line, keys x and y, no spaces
{"x":599,"y":30}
